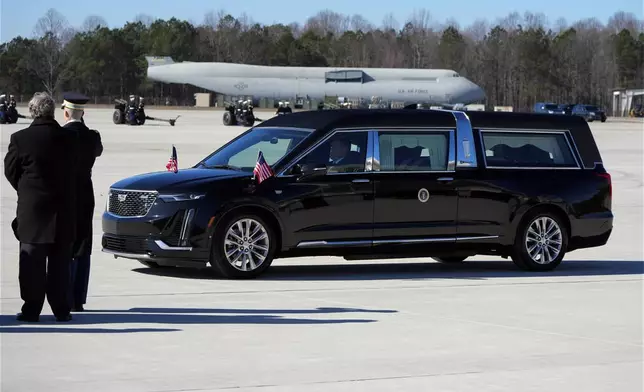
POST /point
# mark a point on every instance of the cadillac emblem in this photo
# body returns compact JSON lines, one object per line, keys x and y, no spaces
{"x":122,"y":198}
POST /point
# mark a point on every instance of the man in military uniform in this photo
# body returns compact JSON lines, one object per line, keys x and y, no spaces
{"x":40,"y":164}
{"x":90,"y":147}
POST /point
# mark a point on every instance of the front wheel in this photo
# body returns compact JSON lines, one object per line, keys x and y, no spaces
{"x":541,"y":243}
{"x":243,"y":248}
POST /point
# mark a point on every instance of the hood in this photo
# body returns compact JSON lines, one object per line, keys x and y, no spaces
{"x":184,"y":180}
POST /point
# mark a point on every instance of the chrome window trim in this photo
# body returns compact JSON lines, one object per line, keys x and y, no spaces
{"x":450,"y":156}
{"x":564,"y":132}
{"x":319,"y":143}
{"x":464,"y":133}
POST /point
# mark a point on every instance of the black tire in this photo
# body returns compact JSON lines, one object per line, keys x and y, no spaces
{"x":249,"y":121}
{"x":229,"y":119}
{"x":220,"y":262}
{"x":520,"y":255}
{"x":450,"y":260}
{"x":140,"y":118}
{"x":118,"y":117}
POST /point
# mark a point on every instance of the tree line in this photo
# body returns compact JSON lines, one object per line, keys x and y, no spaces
{"x":518,"y":60}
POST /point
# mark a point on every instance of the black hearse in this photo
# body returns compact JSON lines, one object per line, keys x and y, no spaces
{"x":373,"y":184}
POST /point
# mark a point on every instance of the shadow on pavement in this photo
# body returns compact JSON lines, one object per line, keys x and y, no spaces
{"x":169,"y":316}
{"x":417,"y":271}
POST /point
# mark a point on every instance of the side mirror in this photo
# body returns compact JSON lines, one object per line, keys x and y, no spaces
{"x":306,"y":172}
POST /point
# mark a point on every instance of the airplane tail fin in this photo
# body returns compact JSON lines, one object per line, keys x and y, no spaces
{"x":154,"y":61}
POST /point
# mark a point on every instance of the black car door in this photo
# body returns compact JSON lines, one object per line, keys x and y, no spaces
{"x":415,"y":196}
{"x":326,"y":201}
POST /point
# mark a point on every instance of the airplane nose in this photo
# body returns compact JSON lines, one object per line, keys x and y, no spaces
{"x":471,"y":92}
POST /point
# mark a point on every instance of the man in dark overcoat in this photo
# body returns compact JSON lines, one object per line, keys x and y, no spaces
{"x":90,"y":147}
{"x":40,"y":164}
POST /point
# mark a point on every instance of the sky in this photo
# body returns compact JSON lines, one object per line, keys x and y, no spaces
{"x":17,"y":20}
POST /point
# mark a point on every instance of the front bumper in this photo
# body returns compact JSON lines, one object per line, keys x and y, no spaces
{"x":170,"y":235}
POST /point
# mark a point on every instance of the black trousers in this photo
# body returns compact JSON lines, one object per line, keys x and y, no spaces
{"x":45,"y":272}
{"x":80,"y":279}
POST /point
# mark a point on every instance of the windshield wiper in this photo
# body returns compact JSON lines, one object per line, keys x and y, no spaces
{"x":230,"y":167}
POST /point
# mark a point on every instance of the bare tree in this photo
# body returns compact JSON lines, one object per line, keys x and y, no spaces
{"x":46,"y":59}
{"x":145,"y":19}
{"x":93,"y":22}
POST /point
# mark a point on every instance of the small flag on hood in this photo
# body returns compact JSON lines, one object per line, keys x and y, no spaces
{"x":262,"y":170}
{"x":172,"y":164}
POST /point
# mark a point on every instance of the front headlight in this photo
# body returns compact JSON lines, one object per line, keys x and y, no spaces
{"x":181,"y":197}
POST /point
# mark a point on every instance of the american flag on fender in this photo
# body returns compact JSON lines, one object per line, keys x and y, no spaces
{"x":262,"y":170}
{"x":172,"y":164}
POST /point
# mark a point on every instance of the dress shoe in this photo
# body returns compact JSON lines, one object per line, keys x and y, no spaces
{"x":65,"y":318}
{"x":78,"y":308}
{"x":27,"y":318}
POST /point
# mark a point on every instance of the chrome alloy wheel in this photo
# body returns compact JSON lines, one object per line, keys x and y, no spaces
{"x":543,"y":240}
{"x":246,"y":245}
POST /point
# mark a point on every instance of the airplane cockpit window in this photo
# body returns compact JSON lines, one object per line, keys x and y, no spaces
{"x":455,"y":75}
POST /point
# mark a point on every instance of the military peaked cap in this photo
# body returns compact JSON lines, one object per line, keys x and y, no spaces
{"x":74,"y":101}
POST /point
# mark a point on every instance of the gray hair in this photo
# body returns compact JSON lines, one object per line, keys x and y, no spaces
{"x":74,"y":114}
{"x":42,"y":105}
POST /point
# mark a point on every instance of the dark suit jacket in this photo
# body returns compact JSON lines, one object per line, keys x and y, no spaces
{"x":89,"y":148}
{"x":41,"y":166}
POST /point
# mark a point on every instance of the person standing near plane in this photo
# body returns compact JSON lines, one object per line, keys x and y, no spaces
{"x":90,"y":147}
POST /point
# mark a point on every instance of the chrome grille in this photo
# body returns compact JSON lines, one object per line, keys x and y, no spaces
{"x":130,"y":203}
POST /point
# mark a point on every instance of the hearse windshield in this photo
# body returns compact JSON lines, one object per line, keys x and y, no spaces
{"x":242,"y":153}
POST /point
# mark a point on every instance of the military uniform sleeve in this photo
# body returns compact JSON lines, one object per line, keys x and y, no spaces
{"x":12,"y":164}
{"x":99,"y":144}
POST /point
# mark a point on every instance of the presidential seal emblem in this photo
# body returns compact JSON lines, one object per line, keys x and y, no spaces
{"x":423,"y":195}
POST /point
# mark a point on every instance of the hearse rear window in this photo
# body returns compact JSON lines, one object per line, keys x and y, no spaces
{"x":527,"y":149}
{"x":413,"y":151}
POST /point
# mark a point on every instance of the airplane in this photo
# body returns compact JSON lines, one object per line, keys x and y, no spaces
{"x":426,"y":86}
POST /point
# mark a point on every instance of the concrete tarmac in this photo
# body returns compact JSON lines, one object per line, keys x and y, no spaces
{"x":325,"y":324}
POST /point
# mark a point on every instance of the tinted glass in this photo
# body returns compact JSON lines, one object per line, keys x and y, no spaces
{"x":523,"y":149}
{"x":591,"y":108}
{"x":413,"y":151}
{"x":552,"y":107}
{"x":274,"y":143}
{"x":344,"y":152}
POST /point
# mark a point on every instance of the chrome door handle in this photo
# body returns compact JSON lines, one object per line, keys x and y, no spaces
{"x":445,"y":179}
{"x":360,"y":180}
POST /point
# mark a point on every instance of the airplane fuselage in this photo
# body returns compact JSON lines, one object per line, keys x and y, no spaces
{"x":433,"y":86}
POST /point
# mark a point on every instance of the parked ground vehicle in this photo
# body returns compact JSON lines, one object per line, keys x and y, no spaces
{"x":548,"y":107}
{"x":566,"y":108}
{"x":411,"y":183}
{"x":589,"y":112}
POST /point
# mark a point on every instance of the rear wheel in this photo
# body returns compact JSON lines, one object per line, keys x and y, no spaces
{"x":118,"y":117}
{"x":541,"y":242}
{"x":243,"y":248}
{"x":229,"y":119}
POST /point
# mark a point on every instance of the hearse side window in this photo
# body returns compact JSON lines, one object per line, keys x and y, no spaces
{"x":344,"y":152}
{"x":413,"y":151}
{"x":527,"y":149}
